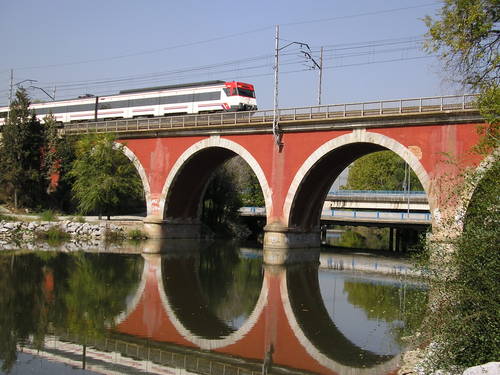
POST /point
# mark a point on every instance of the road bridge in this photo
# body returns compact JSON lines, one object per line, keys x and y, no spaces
{"x":377,"y":200}
{"x":175,"y":157}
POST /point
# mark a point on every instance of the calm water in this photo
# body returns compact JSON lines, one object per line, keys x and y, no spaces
{"x":214,"y":309}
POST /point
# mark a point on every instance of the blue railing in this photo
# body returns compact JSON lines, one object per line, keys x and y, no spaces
{"x":376,"y":192}
{"x":378,"y":215}
{"x":375,"y":215}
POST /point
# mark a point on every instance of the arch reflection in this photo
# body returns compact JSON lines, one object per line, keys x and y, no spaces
{"x":288,"y":325}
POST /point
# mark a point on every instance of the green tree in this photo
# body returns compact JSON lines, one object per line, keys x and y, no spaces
{"x":58,"y":156}
{"x":103,"y":176}
{"x":21,"y":153}
{"x":464,"y":317}
{"x":221,"y":203}
{"x":382,"y":170}
{"x":466,"y":36}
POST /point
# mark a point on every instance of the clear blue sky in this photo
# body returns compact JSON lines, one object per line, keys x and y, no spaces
{"x":100,"y":47}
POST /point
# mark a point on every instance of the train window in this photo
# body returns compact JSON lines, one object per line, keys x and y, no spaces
{"x":3,"y":114}
{"x":227,"y":91}
{"x":203,"y":96}
{"x":144,"y":101}
{"x":173,"y":99}
{"x":75,"y":108}
{"x":112,"y":105}
{"x":246,"y":93}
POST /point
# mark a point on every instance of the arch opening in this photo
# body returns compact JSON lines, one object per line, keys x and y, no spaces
{"x":190,"y":187}
{"x":306,"y":209}
{"x":185,"y":194}
{"x":305,"y":199}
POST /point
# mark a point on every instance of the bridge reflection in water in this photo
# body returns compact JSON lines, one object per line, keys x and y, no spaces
{"x":285,"y":319}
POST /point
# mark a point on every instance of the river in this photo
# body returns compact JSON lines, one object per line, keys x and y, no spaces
{"x":204,"y":309}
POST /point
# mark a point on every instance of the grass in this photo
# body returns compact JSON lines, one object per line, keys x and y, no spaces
{"x":48,"y":215}
{"x":53,"y":236}
{"x":136,"y":235}
{"x":7,"y":218}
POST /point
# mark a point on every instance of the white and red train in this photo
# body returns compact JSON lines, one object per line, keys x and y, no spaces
{"x":191,"y":98}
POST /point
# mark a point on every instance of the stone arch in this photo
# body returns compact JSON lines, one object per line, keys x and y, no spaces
{"x":357,"y":143}
{"x":228,"y":147}
{"x":140,"y":169}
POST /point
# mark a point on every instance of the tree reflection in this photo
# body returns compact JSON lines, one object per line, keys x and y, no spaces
{"x":231,"y":283}
{"x":23,"y":304}
{"x":78,"y":294}
{"x":95,"y":292}
{"x":398,"y":304}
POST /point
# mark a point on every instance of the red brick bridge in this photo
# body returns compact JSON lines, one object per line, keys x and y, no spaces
{"x":175,"y":157}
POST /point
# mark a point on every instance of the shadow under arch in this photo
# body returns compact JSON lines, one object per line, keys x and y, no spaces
{"x":186,"y":308}
{"x":314,"y":178}
{"x":317,"y":333}
{"x":189,"y":176}
{"x":140,"y":170}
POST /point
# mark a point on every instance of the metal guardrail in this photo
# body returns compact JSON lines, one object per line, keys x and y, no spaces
{"x":376,"y":215}
{"x":376,"y":192}
{"x":285,"y":115}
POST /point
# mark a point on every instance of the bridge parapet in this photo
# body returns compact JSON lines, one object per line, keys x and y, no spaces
{"x":298,"y":115}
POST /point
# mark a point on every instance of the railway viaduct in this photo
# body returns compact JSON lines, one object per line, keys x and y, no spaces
{"x":175,"y":157}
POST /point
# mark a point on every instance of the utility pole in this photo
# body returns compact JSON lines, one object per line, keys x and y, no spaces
{"x":11,"y":85}
{"x":278,"y":134}
{"x":276,"y":131}
{"x":320,"y":75}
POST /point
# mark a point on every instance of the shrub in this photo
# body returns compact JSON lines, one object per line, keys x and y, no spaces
{"x":48,"y":215}
{"x":464,"y":318}
{"x":136,"y":235}
{"x":54,"y":235}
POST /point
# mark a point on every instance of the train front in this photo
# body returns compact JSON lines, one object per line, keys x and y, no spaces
{"x":240,"y":96}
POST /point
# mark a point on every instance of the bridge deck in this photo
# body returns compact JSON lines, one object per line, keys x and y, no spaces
{"x":316,"y":114}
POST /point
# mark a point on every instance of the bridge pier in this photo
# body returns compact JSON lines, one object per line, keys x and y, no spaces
{"x":158,"y":228}
{"x":278,"y":236}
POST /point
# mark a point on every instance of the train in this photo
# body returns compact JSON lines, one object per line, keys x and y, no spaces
{"x":181,"y":99}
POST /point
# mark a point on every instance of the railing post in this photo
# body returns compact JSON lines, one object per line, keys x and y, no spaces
{"x":401,"y":106}
{"x":441,"y":104}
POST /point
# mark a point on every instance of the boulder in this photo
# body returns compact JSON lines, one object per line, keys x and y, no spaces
{"x":491,"y":368}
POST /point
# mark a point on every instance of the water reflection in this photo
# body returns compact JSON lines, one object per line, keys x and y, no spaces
{"x":206,"y":310}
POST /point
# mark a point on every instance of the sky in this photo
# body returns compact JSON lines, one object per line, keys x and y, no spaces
{"x":372,"y":48}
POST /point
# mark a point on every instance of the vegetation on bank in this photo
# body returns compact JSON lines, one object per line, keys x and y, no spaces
{"x":463,"y":321}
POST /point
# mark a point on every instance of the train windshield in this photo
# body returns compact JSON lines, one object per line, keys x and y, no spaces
{"x":246,"y":92}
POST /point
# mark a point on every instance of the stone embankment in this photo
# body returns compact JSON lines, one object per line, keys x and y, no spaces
{"x":24,"y":230}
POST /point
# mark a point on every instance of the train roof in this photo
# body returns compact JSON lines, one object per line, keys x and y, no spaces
{"x":178,"y":86}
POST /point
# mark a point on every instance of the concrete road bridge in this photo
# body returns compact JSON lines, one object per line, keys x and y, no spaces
{"x":175,"y":157}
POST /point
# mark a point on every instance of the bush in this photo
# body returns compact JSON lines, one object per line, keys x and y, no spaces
{"x":54,"y":235}
{"x":7,"y":218}
{"x":464,"y":318}
{"x":48,"y":215}
{"x":136,"y":235}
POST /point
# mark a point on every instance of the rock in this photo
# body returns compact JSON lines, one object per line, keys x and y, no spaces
{"x":491,"y":368}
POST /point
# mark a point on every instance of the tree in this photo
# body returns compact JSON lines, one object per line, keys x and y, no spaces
{"x":464,"y":319}
{"x":221,"y":202}
{"x":466,"y":36}
{"x":382,"y":170}
{"x":20,"y":153}
{"x":58,"y":156}
{"x":103,"y":176}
